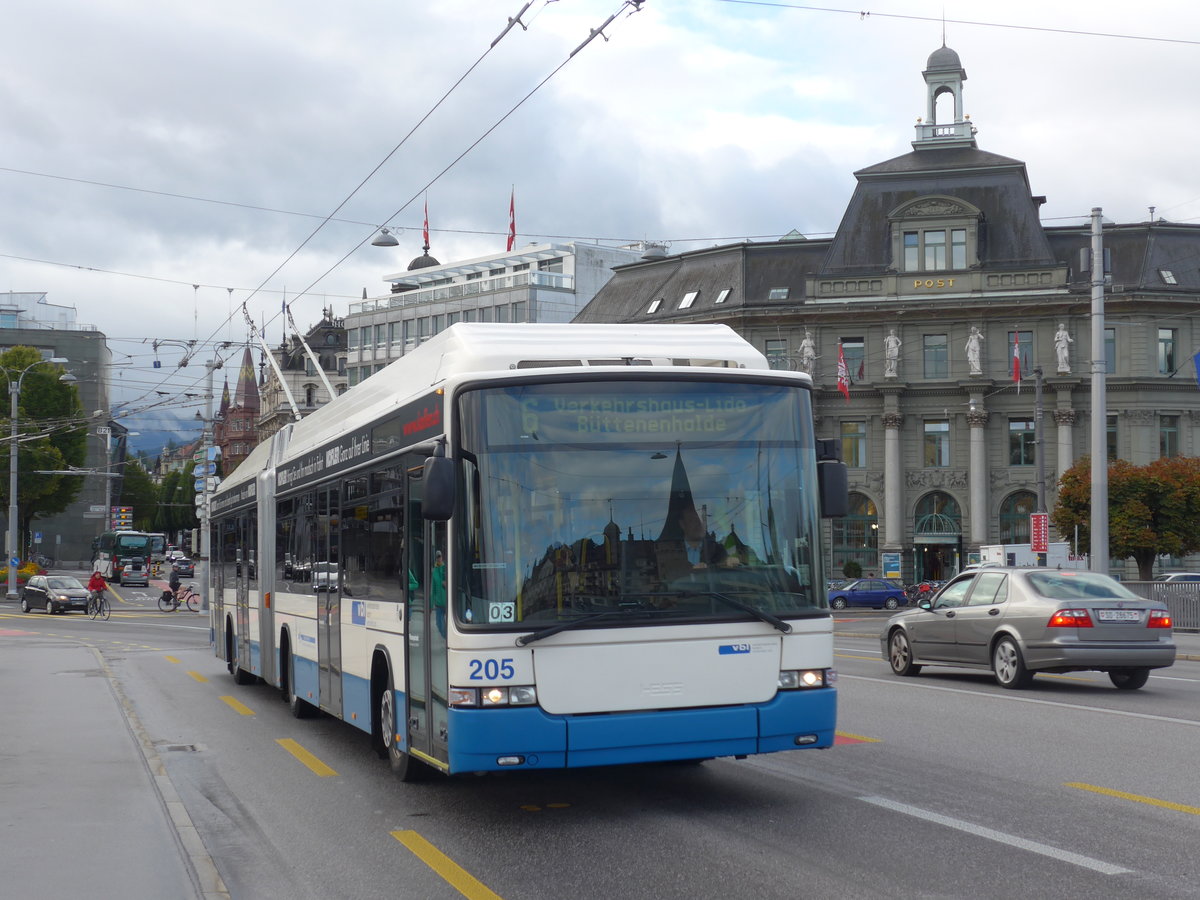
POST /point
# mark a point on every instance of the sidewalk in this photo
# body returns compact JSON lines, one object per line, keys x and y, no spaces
{"x":85,"y":808}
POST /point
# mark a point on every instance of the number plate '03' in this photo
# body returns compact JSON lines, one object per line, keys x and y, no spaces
{"x":1119,"y":615}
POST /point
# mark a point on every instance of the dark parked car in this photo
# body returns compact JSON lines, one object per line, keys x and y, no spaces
{"x":53,"y":593}
{"x":184,"y":566}
{"x":132,"y":571}
{"x":1016,"y":622}
{"x":877,"y":593}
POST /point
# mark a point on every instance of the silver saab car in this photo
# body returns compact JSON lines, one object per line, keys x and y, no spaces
{"x":1020,"y":621}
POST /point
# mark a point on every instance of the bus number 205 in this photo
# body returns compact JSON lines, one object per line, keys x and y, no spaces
{"x":491,"y":669}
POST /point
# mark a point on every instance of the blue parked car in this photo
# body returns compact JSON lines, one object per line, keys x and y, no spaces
{"x":877,"y":593}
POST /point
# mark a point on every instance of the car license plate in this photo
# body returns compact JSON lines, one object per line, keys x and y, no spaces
{"x":1119,"y":615}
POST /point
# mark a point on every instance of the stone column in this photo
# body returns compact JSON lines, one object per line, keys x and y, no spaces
{"x":893,"y":474}
{"x":1064,"y":419}
{"x":977,"y":420}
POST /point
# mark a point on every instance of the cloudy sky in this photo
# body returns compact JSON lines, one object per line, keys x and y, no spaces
{"x":149,"y":147}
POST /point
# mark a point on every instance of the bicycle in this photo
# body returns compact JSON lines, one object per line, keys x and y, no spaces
{"x":97,"y":605}
{"x":187,"y":596}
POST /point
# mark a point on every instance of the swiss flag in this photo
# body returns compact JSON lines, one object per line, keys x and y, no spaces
{"x":425,"y":230}
{"x":843,"y":375}
{"x":1017,"y":360}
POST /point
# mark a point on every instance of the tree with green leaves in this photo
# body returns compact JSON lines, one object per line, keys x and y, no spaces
{"x":139,"y":491}
{"x":1152,"y":509}
{"x":51,"y":435}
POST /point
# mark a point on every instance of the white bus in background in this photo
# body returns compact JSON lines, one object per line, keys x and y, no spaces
{"x":542,"y":546}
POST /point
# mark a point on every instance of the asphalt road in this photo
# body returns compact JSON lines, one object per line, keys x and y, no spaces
{"x":941,"y":786}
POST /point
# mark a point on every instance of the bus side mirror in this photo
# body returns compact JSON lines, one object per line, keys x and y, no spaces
{"x":437,"y":489}
{"x":833,"y":479}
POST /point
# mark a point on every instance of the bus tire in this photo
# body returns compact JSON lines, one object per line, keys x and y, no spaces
{"x":403,"y":765}
{"x":300,"y":708}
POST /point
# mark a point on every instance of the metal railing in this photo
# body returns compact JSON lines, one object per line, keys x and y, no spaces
{"x":1181,"y":597}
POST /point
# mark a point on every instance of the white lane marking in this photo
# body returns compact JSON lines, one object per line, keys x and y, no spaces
{"x":1075,"y":706}
{"x":1066,"y":856}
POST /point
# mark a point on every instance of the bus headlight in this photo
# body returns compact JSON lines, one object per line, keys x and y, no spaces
{"x":802,"y":679}
{"x":521,"y":695}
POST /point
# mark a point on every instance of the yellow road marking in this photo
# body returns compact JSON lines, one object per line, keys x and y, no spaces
{"x":198,"y":677}
{"x":1063,"y":677}
{"x":849,"y":656}
{"x":241,"y":708}
{"x":170,"y":659}
{"x":1136,"y":798}
{"x":450,"y":871}
{"x":305,"y":757}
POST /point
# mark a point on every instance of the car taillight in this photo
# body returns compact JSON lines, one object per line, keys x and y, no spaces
{"x":1070,"y":618}
{"x":1159,"y":618}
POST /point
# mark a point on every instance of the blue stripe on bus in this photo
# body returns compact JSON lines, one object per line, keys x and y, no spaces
{"x":356,"y":701}
{"x":479,"y":737}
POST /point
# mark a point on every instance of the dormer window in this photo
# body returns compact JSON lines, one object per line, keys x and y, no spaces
{"x":1168,"y":276}
{"x":654,"y":305}
{"x":935,"y":234}
{"x":688,"y":299}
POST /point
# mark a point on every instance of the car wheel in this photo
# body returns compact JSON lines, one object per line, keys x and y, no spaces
{"x":25,"y":604}
{"x":838,"y":602}
{"x":891,"y":603}
{"x":900,"y":654}
{"x":49,"y":607}
{"x":1129,"y":679}
{"x":1009,"y":666}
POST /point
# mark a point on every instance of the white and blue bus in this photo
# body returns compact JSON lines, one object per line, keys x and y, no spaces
{"x":542,"y":546}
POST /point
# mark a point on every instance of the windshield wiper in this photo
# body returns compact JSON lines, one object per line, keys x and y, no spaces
{"x":576,"y":623}
{"x":762,"y":615}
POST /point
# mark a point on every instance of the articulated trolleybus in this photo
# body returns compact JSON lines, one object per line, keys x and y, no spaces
{"x":542,"y":546}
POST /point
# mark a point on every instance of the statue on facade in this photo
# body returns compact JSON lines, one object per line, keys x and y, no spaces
{"x":974,"y":339}
{"x":891,"y":353}
{"x":808,"y":353}
{"x":1062,"y":347}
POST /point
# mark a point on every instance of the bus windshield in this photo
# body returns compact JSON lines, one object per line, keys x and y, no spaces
{"x":645,"y":501}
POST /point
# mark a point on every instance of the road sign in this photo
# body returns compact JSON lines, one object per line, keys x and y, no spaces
{"x":1039,"y":532}
{"x":208,"y":468}
{"x":103,"y":429}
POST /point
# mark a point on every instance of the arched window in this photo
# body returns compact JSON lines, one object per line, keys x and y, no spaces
{"x":937,"y":515}
{"x":856,"y":536}
{"x":1014,"y":517}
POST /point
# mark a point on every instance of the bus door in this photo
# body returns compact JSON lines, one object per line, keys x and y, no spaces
{"x":327,"y":577}
{"x":245,"y":541}
{"x":426,"y":678}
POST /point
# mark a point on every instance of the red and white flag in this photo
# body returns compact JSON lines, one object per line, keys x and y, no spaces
{"x":843,"y":375}
{"x":1017,"y":359}
{"x":425,"y":230}
{"x":512,"y":220}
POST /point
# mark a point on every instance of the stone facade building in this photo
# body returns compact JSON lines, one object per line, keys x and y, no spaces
{"x":940,"y":285}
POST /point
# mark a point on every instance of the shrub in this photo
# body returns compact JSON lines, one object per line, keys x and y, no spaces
{"x":852,"y":569}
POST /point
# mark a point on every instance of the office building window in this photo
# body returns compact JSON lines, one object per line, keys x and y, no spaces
{"x":1166,"y":351}
{"x":437,"y":324}
{"x":1021,"y":444}
{"x":936,"y":355}
{"x":937,"y":443}
{"x":1024,"y":348}
{"x":1168,"y":435}
{"x":775,"y":350}
{"x":518,"y":311}
{"x":854,"y":349}
{"x":502,"y":313}
{"x":854,"y":444}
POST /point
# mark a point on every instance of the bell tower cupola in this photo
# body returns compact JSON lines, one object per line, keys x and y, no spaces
{"x":944,"y":74}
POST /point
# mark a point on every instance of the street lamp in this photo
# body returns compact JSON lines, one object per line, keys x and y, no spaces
{"x":14,"y":391}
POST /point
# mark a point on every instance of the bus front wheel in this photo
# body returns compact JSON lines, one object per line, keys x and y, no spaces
{"x":403,"y":765}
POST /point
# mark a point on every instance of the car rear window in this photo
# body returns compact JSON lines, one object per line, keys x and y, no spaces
{"x":1079,"y":586}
